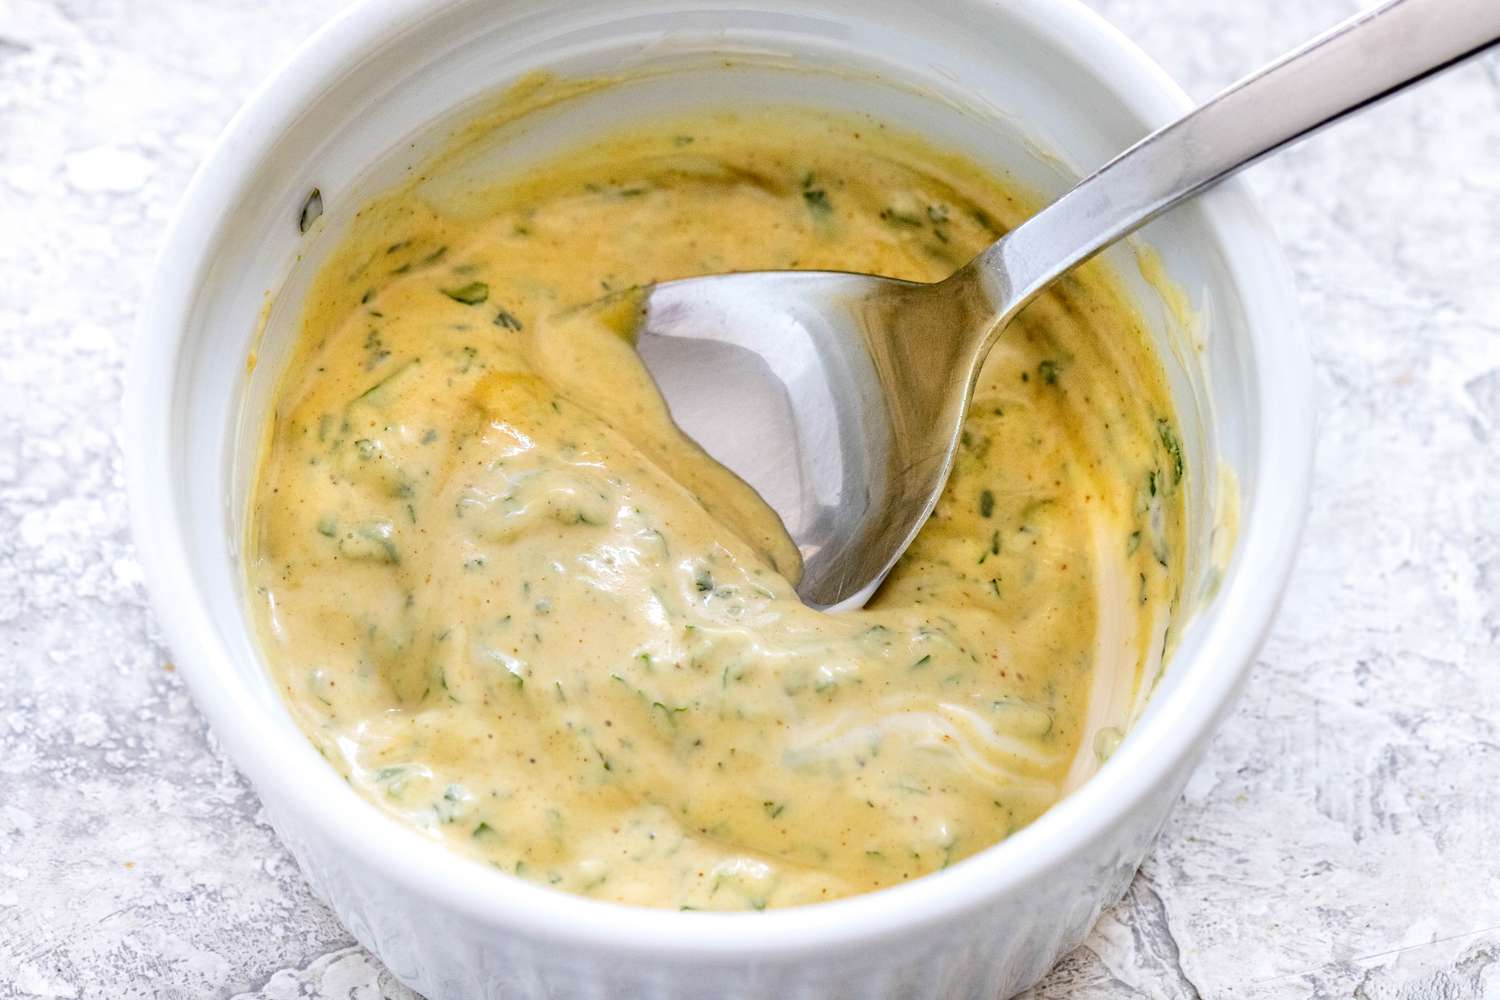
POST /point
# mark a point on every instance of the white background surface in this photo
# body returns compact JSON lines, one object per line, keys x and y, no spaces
{"x":1342,"y":838}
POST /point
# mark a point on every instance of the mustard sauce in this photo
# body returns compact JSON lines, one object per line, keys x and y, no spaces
{"x":519,"y":611}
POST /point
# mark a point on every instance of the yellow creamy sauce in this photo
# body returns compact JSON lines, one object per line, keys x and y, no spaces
{"x":517,"y":610}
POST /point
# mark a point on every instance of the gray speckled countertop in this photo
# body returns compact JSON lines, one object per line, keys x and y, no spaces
{"x":1342,"y":839}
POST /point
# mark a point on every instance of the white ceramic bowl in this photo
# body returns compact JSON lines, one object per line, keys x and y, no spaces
{"x":1038,"y":88}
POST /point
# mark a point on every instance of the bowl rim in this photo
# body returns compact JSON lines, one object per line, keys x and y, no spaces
{"x":1184,"y":716}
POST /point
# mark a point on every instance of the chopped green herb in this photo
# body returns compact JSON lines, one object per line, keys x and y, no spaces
{"x":506,"y":319}
{"x":1048,"y":370}
{"x":312,"y":210}
{"x":986,"y":503}
{"x":670,"y":712}
{"x":900,"y":219}
{"x":372,"y":542}
{"x":370,"y":392}
{"x":471,"y":294}
{"x":1174,"y":447}
{"x":817,"y":201}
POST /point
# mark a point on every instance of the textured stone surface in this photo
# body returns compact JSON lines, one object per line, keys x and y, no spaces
{"x":1339,"y":841}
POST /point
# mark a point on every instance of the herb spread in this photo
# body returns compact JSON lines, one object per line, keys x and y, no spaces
{"x":519,"y":611}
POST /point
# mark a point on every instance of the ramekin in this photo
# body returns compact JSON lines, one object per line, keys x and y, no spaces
{"x":1041,"y":88}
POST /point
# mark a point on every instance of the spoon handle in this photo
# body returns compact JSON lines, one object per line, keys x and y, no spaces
{"x":1361,"y":61}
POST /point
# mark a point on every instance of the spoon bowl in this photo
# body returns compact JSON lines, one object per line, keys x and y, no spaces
{"x":793,"y":379}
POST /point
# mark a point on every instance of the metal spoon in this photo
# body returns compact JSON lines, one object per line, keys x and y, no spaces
{"x":840,"y":397}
